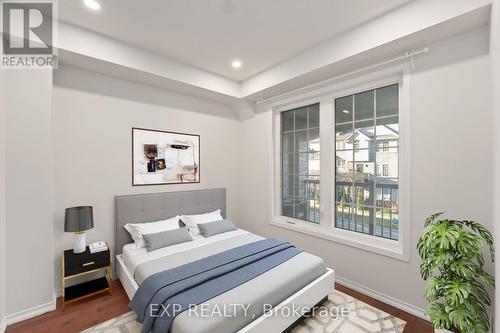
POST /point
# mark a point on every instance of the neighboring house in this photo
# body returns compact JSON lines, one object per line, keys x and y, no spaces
{"x":365,"y":158}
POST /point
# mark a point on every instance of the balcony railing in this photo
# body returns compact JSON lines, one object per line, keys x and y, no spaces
{"x":368,"y":214}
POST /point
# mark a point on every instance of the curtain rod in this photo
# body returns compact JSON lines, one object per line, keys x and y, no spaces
{"x":407,"y":55}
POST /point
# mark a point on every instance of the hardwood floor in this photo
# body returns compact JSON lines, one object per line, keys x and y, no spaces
{"x":77,"y":316}
{"x":84,"y":314}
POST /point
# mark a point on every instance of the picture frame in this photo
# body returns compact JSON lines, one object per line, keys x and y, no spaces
{"x":162,"y":157}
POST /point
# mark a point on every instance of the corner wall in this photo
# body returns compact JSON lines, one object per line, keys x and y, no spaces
{"x":451,"y":167}
{"x":28,"y":191}
{"x":93,"y":119}
{"x":495,"y":89}
{"x":2,"y":204}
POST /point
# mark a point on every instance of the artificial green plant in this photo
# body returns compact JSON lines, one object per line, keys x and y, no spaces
{"x":453,"y":264}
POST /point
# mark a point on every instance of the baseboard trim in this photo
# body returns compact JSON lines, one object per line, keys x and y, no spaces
{"x":411,"y":309}
{"x":30,"y":313}
{"x":3,"y":325}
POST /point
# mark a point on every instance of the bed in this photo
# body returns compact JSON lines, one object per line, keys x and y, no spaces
{"x":300,"y":281}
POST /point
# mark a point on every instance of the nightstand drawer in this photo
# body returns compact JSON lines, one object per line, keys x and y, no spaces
{"x":84,"y":262}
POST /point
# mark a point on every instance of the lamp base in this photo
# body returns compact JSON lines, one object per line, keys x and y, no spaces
{"x":80,"y":242}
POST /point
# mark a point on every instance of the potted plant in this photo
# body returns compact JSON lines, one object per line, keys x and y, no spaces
{"x":453,"y":262}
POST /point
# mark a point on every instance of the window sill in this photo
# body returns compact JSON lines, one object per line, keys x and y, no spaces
{"x":386,"y":247}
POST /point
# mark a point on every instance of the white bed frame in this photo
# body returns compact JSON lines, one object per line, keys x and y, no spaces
{"x":309,"y":296}
{"x":143,"y":208}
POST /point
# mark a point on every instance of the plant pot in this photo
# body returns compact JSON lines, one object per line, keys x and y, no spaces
{"x":441,"y":330}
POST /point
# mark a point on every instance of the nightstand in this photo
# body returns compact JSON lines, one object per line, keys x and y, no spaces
{"x":77,"y":265}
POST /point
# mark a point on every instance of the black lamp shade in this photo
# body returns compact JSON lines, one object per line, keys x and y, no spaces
{"x":78,"y":219}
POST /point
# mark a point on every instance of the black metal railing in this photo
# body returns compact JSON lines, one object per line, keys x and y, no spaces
{"x":353,"y":210}
{"x":369,"y":214}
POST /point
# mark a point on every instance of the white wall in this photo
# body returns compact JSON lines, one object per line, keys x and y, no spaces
{"x":28,"y":186}
{"x":93,"y":117}
{"x":2,"y":202}
{"x":451,"y":165}
{"x":495,"y":88}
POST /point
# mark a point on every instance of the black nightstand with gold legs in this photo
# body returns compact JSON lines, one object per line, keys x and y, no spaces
{"x":77,"y":265}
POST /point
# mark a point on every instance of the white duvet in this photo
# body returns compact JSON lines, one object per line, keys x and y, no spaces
{"x":133,"y":257}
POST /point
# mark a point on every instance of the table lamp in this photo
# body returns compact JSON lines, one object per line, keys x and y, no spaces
{"x":77,"y":220}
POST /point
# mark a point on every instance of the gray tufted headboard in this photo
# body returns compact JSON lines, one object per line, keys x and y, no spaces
{"x":142,"y":208}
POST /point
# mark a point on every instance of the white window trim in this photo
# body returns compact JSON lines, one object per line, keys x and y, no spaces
{"x":400,"y":249}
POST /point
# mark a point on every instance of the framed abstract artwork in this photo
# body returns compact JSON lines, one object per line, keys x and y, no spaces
{"x":162,"y":157}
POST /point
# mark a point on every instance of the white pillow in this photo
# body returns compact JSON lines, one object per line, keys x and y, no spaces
{"x":192,"y":221}
{"x":136,"y":230}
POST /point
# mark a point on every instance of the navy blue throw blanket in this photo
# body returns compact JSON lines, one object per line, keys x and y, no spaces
{"x":204,"y":279}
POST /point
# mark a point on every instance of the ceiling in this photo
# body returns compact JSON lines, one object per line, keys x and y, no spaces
{"x":209,"y":34}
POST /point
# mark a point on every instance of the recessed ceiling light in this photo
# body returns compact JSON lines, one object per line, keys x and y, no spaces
{"x":92,"y":4}
{"x":236,"y":63}
{"x":346,"y":111}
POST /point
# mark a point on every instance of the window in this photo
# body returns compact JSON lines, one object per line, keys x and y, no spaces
{"x":365,"y":182}
{"x":385,"y":170}
{"x":382,"y":170}
{"x":383,"y":146}
{"x":371,"y":117}
{"x":300,"y":163}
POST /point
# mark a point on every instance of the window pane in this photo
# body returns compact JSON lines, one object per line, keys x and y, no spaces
{"x":385,"y":220}
{"x":343,"y":109}
{"x":314,"y":140}
{"x":287,"y":187}
{"x":301,"y":164}
{"x":287,"y":143}
{"x":301,"y":118}
{"x":300,"y":156}
{"x":343,"y":216}
{"x":287,"y":164}
{"x":314,"y":166}
{"x":344,"y":193}
{"x":301,"y":140}
{"x":314,"y":116}
{"x":392,"y":123}
{"x":301,"y":209}
{"x":287,"y":121}
{"x":287,"y":207}
{"x":364,"y":107}
{"x":364,"y":166}
{"x":362,"y":219}
{"x":387,"y":193}
{"x":387,"y":163}
{"x":364,"y":193}
{"x":388,"y":130}
{"x":307,"y":198}
{"x":366,"y":163}
{"x":364,"y":133}
{"x":394,"y":199}
{"x":314,"y":198}
{"x":342,"y":135}
{"x":344,"y":161}
{"x":301,"y":187}
{"x":394,"y":225}
{"x":387,"y":101}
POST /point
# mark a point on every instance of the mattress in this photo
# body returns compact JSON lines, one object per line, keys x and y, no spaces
{"x":248,"y":299}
